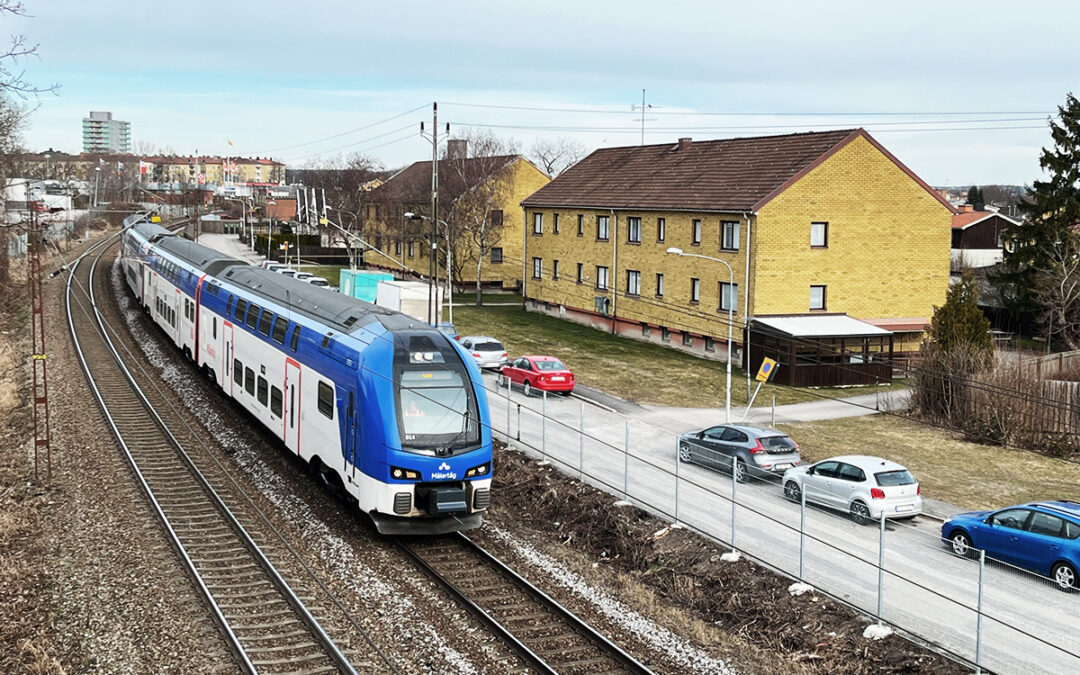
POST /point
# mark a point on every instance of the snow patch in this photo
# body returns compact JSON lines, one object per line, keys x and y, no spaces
{"x":798,"y":588}
{"x":731,"y":556}
{"x":877,"y":631}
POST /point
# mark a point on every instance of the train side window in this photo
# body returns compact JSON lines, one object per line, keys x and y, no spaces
{"x":275,"y":401}
{"x":238,"y":372}
{"x":326,"y":399}
{"x":229,"y":304}
{"x":253,"y":316}
{"x":281,"y":325}
{"x":264,"y":322}
{"x":295,"y":337}
{"x":241,"y":307}
{"x":262,"y":390}
{"x":249,"y":381}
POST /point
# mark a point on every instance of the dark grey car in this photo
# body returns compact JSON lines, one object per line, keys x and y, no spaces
{"x":757,"y":451}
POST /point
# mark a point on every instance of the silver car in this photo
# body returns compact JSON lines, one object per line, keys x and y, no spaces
{"x":488,"y":352}
{"x":757,"y":451}
{"x":863,"y":486}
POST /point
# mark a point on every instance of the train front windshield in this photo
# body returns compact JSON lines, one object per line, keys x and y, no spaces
{"x":437,"y":411}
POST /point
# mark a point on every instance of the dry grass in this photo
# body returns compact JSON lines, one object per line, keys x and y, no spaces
{"x":970,"y":475}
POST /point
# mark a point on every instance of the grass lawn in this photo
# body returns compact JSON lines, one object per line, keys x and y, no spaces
{"x":949,"y":468}
{"x":329,"y":272}
{"x":637,"y":371}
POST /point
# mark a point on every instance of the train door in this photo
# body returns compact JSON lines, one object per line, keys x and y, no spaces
{"x":292,"y":405}
{"x":227,"y":357}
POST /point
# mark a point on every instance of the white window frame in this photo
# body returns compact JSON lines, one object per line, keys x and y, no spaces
{"x":602,"y":280}
{"x":661,"y":229}
{"x":824,"y":299}
{"x":695,"y":289}
{"x":695,"y":232}
{"x":538,"y":223}
{"x":659,"y":285}
{"x":633,"y":282}
{"x":603,"y":225}
{"x":538,"y":268}
{"x":823,"y":228}
{"x":633,"y":230}
{"x":729,"y":293}
{"x":554,"y":269}
{"x":729,"y":235}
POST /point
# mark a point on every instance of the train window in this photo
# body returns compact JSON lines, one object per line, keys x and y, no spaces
{"x":262,"y":390}
{"x":252,"y":316}
{"x":292,"y":406}
{"x":264,"y":322}
{"x":249,"y":381}
{"x":275,"y":401}
{"x":241,"y":307}
{"x":281,"y":325}
{"x":238,"y":372}
{"x":326,"y":399}
{"x":326,"y":340}
{"x":295,"y":337}
{"x":228,"y":305}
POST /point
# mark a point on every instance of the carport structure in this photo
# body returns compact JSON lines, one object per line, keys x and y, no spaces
{"x":820,"y":350}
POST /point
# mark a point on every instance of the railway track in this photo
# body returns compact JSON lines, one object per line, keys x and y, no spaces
{"x":546,"y":637}
{"x":266,"y":624}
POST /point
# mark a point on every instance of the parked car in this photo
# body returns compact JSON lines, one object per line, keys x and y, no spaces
{"x":319,"y":281}
{"x":303,"y":276}
{"x":267,"y":264}
{"x":538,"y":372}
{"x":758,"y":451}
{"x":447,"y":329}
{"x":287,"y":272}
{"x":488,"y":352}
{"x":863,"y":486}
{"x":1043,"y":537}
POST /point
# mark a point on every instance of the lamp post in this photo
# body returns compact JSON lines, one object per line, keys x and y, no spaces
{"x":730,"y":319}
{"x":269,"y":223}
{"x":449,"y":257}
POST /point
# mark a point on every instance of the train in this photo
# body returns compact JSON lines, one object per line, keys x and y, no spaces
{"x":383,"y":408}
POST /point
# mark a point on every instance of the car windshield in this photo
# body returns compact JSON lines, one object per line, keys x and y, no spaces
{"x":488,"y":347}
{"x":891,"y":478}
{"x":778,"y":443}
{"x":550,"y":365}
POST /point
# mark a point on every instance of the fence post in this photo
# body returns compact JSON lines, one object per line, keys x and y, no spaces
{"x":543,"y":426}
{"x":519,"y":422}
{"x":508,"y":390}
{"x":678,"y":463}
{"x":881,"y":567}
{"x":626,"y":463}
{"x":979,"y":615}
{"x":581,"y":445}
{"x":734,"y":483}
{"x":772,"y":422}
{"x":802,"y":535}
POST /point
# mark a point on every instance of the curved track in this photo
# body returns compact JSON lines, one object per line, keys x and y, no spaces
{"x":266,"y":624}
{"x":546,"y":636}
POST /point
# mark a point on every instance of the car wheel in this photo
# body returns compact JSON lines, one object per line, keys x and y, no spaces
{"x":1064,"y":575}
{"x":684,"y":453}
{"x":961,"y":544}
{"x":860,"y":513}
{"x":566,"y":393}
{"x":526,"y":388}
{"x":740,"y":471}
{"x":792,"y":491}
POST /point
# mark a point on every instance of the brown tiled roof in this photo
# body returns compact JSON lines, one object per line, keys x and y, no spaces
{"x":413,"y":183}
{"x":736,"y":174}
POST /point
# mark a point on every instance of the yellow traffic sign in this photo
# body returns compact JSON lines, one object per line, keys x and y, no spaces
{"x":766,"y":369}
{"x":155,"y":219}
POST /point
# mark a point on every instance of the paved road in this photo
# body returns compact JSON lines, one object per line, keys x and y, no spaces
{"x":927,"y":591}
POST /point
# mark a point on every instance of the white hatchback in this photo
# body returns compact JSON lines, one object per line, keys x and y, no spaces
{"x":863,"y":486}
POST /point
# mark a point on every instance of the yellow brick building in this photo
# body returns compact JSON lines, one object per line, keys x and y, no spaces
{"x":474,"y":193}
{"x":809,"y":224}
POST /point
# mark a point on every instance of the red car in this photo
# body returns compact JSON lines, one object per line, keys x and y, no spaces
{"x":538,"y":372}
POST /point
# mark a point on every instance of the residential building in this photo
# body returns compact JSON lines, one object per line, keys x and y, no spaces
{"x":810,"y":224}
{"x":479,"y":199}
{"x":103,"y":135}
{"x":976,"y":237}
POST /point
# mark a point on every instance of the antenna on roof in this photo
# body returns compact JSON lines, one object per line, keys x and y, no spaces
{"x":643,"y":107}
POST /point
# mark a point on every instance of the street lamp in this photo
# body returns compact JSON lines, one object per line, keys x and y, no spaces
{"x":409,"y":215}
{"x":730,"y":318}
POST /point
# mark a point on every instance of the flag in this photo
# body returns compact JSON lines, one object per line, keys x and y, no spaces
{"x":230,"y":142}
{"x":119,"y":167}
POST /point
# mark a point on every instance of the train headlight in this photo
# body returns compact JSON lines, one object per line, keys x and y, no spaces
{"x":404,"y":474}
{"x":481,"y":470}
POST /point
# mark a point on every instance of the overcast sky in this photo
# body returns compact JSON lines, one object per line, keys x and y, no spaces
{"x":279,"y":78}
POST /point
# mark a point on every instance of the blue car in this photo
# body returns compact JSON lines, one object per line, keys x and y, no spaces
{"x":1043,"y":537}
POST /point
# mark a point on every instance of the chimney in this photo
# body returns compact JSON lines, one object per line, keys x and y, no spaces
{"x":684,"y":144}
{"x":967,"y":208}
{"x":457,"y":148}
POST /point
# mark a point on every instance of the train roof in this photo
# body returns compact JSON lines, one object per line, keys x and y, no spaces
{"x":338,"y":311}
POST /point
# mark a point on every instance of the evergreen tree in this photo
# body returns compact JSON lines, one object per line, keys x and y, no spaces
{"x":1052,"y":208}
{"x":975,"y":198}
{"x":960,"y":324}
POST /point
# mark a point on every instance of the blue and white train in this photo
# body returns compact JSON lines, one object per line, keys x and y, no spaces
{"x":381,"y":406}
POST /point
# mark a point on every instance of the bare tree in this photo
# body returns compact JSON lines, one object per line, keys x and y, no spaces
{"x":144,"y":149}
{"x":12,"y":77}
{"x":1057,"y":290}
{"x":554,"y":156}
{"x":481,"y":184}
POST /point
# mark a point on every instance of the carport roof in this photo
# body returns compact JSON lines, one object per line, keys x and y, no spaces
{"x":819,"y":325}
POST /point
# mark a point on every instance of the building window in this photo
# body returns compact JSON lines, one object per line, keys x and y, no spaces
{"x":695,"y":290}
{"x":687,"y":341}
{"x":661,"y":229}
{"x":645,"y":332}
{"x":555,"y":223}
{"x":665,"y":335}
{"x":729,"y":237}
{"x":412,"y":249}
{"x":819,"y":235}
{"x":496,"y":217}
{"x":538,"y":268}
{"x":695,"y":232}
{"x":601,"y":277}
{"x":633,"y":282}
{"x":603,"y":229}
{"x":817,"y":297}
{"x":633,"y":230}
{"x":581,"y":225}
{"x":729,"y":297}
{"x":496,"y":255}
{"x":710,"y":344}
{"x":397,"y":248}
{"x":538,"y":223}
{"x":659,"y":285}
{"x":580,"y":272}
{"x":554,"y":269}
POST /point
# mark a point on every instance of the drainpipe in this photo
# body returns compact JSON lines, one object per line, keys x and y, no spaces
{"x":746,"y":302}
{"x":524,"y":255}
{"x":614,"y":276}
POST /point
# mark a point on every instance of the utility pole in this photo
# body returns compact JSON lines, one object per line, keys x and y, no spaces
{"x":643,"y":108}
{"x":434,"y":210}
{"x":40,"y":393}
